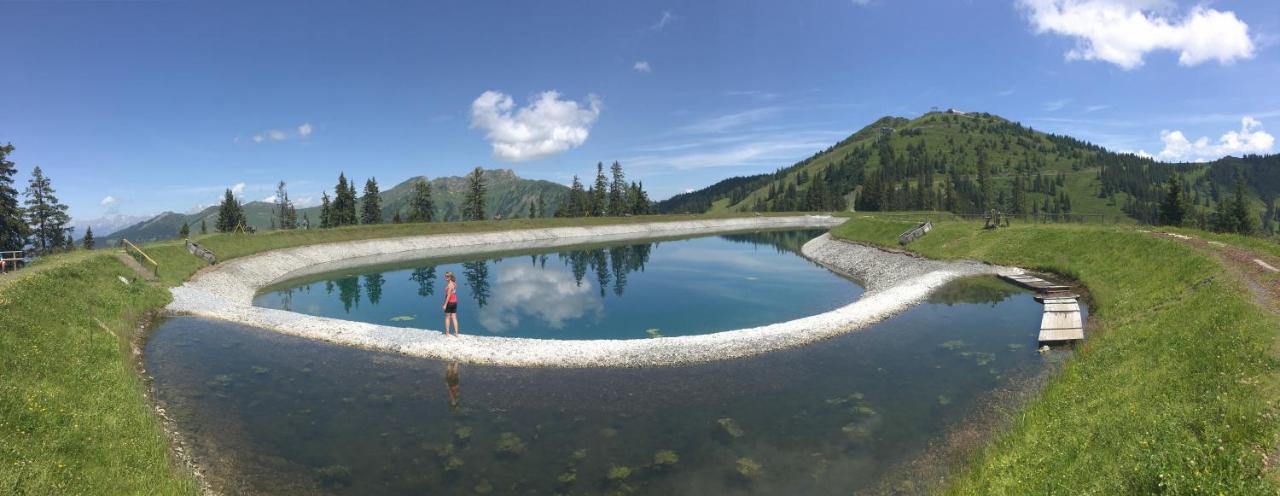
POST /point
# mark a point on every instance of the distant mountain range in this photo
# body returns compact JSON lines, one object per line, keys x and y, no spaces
{"x":107,"y":224}
{"x":506,"y":194}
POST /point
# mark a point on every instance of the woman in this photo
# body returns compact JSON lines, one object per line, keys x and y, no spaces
{"x":450,"y":304}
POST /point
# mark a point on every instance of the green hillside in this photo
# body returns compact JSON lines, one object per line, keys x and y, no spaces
{"x":934,"y":162}
{"x":506,"y":194}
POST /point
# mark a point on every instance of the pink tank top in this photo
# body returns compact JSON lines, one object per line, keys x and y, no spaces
{"x":453,"y":293}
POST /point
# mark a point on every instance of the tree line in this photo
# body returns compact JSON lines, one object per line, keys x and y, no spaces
{"x":40,"y":220}
{"x":607,"y":196}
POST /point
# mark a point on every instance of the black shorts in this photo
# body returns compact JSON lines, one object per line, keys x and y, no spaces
{"x":451,"y":307}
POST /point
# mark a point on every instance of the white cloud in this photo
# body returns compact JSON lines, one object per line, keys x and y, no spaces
{"x":304,"y":130}
{"x":257,"y":138}
{"x":665,"y":19}
{"x":237,"y":189}
{"x":642,"y":66}
{"x":107,"y":201}
{"x":1250,"y":139}
{"x":1055,"y":105}
{"x":269,"y":199}
{"x":277,"y":135}
{"x":1122,"y":32}
{"x":545,"y":127}
{"x":730,"y":121}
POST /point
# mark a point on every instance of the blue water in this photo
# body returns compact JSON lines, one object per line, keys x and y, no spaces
{"x":622,"y":291}
{"x":882,"y":410}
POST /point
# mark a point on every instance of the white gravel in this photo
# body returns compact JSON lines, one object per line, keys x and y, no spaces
{"x":894,"y":282}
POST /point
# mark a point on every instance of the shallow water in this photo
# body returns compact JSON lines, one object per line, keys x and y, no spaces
{"x":269,"y":413}
{"x":621,"y":291}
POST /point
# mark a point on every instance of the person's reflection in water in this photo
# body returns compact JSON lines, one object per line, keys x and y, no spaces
{"x":451,"y":380}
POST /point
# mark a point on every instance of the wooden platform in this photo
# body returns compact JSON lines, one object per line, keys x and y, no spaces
{"x":1061,"y":321}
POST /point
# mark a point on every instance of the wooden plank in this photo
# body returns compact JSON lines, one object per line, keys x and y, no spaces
{"x":1054,"y":335}
{"x":1060,"y":320}
{"x":1062,"y":307}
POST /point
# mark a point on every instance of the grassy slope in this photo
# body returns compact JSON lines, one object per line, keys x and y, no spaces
{"x":1173,"y":392}
{"x":73,"y":419}
{"x":72,"y":415}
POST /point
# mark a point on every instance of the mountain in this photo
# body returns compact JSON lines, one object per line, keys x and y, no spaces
{"x":167,"y":224}
{"x":107,"y":224}
{"x":506,"y":194}
{"x":933,"y":163}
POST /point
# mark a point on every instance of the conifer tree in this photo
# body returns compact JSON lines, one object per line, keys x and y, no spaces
{"x":370,"y":203}
{"x":284,"y":215}
{"x":1173,"y":208}
{"x":577,"y":201}
{"x":47,"y":217}
{"x":184,"y":232}
{"x":617,"y":191}
{"x":87,"y":242}
{"x":13,"y":228}
{"x":230,"y":214}
{"x":598,"y":192}
{"x":542,"y":206}
{"x":204,"y":229}
{"x":1242,"y":218}
{"x":326,"y":211}
{"x":421,"y":207}
{"x":473,"y":205}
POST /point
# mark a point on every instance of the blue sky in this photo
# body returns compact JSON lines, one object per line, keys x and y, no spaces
{"x":139,"y":107}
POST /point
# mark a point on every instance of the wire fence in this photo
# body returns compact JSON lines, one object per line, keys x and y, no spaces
{"x":1041,"y":218}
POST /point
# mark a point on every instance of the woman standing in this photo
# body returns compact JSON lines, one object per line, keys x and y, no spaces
{"x":450,"y":304}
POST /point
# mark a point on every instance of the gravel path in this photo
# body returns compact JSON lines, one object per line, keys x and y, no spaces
{"x":894,"y":282}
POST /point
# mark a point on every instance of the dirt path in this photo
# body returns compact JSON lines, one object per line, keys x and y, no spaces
{"x":1258,"y":270}
{"x":143,"y":272}
{"x":1260,"y":273}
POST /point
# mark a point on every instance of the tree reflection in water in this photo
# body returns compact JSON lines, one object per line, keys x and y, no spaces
{"x":426,"y":279}
{"x":349,"y":292}
{"x":477,"y":276}
{"x":373,"y":287}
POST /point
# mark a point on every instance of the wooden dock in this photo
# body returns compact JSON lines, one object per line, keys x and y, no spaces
{"x":1061,"y":321}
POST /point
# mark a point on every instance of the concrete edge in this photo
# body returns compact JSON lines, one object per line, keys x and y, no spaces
{"x":894,"y":283}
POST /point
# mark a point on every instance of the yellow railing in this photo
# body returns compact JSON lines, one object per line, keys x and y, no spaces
{"x":139,"y":255}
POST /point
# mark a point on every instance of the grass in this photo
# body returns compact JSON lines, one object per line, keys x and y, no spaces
{"x":73,"y":416}
{"x":1174,"y":392}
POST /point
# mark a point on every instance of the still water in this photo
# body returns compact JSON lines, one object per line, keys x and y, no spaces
{"x":621,"y":291}
{"x":267,"y":413}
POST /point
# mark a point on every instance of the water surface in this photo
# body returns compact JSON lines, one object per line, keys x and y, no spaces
{"x":268,"y":413}
{"x":620,"y":291}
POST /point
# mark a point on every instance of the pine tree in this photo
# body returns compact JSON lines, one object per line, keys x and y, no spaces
{"x":1242,"y":218}
{"x":13,"y":229}
{"x":230,"y":214}
{"x":204,"y":229}
{"x":87,"y":242}
{"x":1173,"y":209}
{"x":47,"y":217}
{"x":542,"y":205}
{"x":473,"y":205}
{"x":370,"y":203}
{"x":342,"y":212}
{"x":617,"y":191}
{"x":395,"y":218}
{"x":577,"y":200}
{"x":598,"y":192}
{"x":421,"y":207}
{"x":984,"y":184}
{"x":326,"y":211}
{"x":285,"y":216}
{"x":184,"y":232}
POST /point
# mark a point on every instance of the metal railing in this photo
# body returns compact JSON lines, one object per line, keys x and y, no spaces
{"x":10,"y":260}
